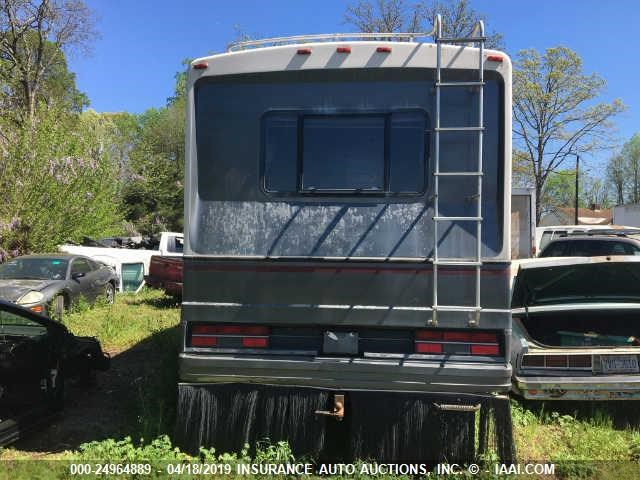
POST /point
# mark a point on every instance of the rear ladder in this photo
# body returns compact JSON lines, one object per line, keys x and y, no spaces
{"x":478,"y":37}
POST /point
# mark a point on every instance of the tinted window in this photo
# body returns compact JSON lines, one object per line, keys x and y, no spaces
{"x":555,"y":249}
{"x":80,"y":265}
{"x":356,"y":153}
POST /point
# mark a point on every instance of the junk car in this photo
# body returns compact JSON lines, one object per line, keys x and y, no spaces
{"x":576,"y":329}
{"x":37,"y":356}
{"x":50,"y":283}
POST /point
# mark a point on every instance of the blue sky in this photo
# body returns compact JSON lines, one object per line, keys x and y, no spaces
{"x":142,"y":43}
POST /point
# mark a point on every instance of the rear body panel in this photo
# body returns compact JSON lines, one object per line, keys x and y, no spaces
{"x":306,"y":259}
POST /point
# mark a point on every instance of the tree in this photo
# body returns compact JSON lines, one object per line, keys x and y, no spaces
{"x":631,"y":156}
{"x":34,"y":36}
{"x":399,"y":16}
{"x":58,"y":182}
{"x":553,"y":111}
{"x":153,"y":190}
{"x":617,"y":177}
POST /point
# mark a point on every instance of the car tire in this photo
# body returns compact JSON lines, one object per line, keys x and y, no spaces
{"x":58,"y":306}
{"x":109,"y":293}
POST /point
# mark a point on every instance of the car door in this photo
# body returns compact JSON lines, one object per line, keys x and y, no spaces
{"x":82,"y":279}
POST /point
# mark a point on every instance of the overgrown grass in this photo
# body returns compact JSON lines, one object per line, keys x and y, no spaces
{"x":130,"y":320}
{"x":568,"y":434}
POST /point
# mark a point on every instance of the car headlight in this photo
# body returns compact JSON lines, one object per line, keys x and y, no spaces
{"x":30,"y":297}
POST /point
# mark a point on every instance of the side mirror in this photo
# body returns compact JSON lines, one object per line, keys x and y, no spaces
{"x":77,"y":275}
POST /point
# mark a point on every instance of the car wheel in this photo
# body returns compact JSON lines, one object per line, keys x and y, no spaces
{"x":109,"y":293}
{"x":57,"y":308}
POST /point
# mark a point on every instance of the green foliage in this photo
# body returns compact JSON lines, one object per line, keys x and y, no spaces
{"x":623,"y":172}
{"x":58,"y":182}
{"x":153,"y":192}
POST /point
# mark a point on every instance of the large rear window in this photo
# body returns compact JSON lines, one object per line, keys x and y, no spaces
{"x":344,"y":153}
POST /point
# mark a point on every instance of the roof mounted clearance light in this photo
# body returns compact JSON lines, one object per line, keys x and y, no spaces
{"x":383,"y":49}
{"x":304,"y":51}
{"x":200,"y":66}
{"x":343,"y":49}
{"x":495,"y":58}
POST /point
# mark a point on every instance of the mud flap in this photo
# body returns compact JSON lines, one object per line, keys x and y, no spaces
{"x":230,"y":415}
{"x":385,"y":426}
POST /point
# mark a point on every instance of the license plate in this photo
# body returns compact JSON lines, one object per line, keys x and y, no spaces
{"x":619,"y":364}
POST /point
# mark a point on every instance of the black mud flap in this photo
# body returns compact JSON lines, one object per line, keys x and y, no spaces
{"x":231,"y":415}
{"x":427,"y":428}
{"x":388,"y":427}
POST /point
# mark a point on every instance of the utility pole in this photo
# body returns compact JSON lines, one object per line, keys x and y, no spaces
{"x":577,"y":191}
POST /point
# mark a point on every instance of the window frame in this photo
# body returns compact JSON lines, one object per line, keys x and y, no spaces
{"x":299,"y":164}
{"x":76,"y":262}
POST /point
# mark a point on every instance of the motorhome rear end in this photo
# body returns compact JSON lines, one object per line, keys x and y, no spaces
{"x":316,"y":309}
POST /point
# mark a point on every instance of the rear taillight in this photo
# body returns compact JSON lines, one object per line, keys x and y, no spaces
{"x":573,"y":361}
{"x":229,"y":336}
{"x":453,"y":342}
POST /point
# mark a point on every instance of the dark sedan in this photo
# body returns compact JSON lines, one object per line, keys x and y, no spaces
{"x":49,"y":284}
{"x":37,"y":357}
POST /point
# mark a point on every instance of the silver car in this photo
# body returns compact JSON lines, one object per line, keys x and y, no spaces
{"x":50,"y":284}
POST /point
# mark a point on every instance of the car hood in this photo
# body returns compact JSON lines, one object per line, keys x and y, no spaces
{"x":12,"y":290}
{"x":587,"y":280}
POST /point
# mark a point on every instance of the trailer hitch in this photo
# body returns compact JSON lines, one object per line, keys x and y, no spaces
{"x":338,"y":409}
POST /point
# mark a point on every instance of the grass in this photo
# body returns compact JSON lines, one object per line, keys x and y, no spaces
{"x":569,"y":434}
{"x":130,"y":320}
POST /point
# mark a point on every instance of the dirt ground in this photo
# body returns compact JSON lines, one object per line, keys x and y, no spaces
{"x":96,"y":412}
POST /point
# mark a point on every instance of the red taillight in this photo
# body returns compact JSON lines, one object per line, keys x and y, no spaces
{"x":495,"y":58}
{"x":252,"y":342}
{"x":429,"y":335}
{"x":383,"y":49}
{"x":479,"y":337}
{"x":304,"y":51}
{"x":452,"y":342}
{"x":557,"y":361}
{"x":203,"y":341}
{"x":343,"y":49}
{"x":457,"y":336}
{"x":490,"y":350}
{"x":579,"y":361}
{"x":428,"y":347}
{"x":230,"y":330}
{"x":230,"y":336}
{"x":200,"y":66}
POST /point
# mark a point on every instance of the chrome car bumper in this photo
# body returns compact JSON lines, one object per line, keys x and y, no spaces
{"x":347,"y":373}
{"x":612,"y":387}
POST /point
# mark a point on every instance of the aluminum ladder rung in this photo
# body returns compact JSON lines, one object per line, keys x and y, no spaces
{"x":457,"y":263}
{"x":459,"y":84}
{"x":457,"y":308}
{"x":458,"y":174}
{"x":459,"y":129}
{"x":458,"y":219}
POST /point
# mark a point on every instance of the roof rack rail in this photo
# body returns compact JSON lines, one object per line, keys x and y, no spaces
{"x":476,"y":35}
{"x":614,"y":232}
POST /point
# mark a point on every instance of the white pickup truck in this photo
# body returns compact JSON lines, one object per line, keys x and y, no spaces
{"x":131,"y":264}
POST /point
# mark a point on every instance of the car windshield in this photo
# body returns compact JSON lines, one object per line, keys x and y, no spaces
{"x":34,"y":268}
